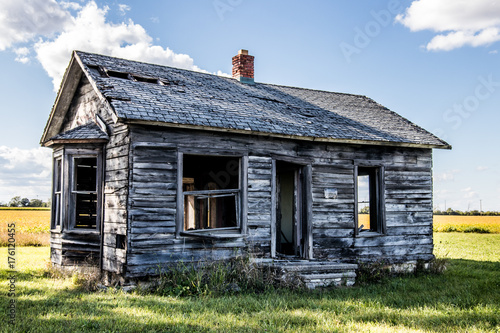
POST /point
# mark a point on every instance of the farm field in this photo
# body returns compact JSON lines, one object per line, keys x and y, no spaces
{"x":457,"y":223}
{"x":32,"y":226}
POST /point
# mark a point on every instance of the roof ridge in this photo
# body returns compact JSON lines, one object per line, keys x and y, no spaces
{"x":221,"y":76}
{"x":152,"y":64}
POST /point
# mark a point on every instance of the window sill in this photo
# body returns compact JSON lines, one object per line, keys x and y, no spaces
{"x":369,"y":234}
{"x":213,"y":233}
{"x":82,"y":232}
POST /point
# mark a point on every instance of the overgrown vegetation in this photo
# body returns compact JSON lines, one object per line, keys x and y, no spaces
{"x":465,"y":298}
{"x":238,"y":275}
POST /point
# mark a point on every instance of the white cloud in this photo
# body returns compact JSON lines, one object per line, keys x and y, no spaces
{"x":23,"y":20}
{"x":70,"y":5}
{"x":482,"y":168}
{"x":469,"y":193}
{"x":59,"y":32}
{"x":22,"y":55}
{"x":89,"y":31}
{"x":123,"y":9}
{"x":445,"y":176}
{"x":458,"y":22}
{"x":25,"y":172}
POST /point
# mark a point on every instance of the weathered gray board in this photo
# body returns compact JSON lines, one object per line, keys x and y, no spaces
{"x":69,"y":248}
{"x":152,"y":219}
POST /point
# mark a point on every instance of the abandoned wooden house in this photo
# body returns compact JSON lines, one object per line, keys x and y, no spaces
{"x":154,"y":164}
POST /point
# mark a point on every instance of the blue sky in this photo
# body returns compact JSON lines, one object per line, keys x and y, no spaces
{"x":434,"y":62}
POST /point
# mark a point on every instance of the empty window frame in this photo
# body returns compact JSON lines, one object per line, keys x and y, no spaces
{"x":370,"y":203}
{"x":84,"y":196}
{"x":56,"y":193}
{"x":211,"y":192}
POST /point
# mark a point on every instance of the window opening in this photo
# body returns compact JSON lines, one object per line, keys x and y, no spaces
{"x":368,"y":187}
{"x":56,"y":201}
{"x":85,"y":192}
{"x":211,"y":192}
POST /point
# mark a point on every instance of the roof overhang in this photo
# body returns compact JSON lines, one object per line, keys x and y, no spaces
{"x":294,"y":137}
{"x":54,"y":142}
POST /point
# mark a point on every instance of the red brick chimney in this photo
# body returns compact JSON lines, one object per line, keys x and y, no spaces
{"x":243,"y":67}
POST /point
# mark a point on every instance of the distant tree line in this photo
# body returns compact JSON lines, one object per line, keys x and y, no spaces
{"x":17,"y":201}
{"x":451,"y":211}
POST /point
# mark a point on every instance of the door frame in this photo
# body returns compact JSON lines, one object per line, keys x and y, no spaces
{"x":303,"y":214}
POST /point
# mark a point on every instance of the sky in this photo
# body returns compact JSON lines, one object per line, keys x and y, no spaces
{"x":434,"y":62}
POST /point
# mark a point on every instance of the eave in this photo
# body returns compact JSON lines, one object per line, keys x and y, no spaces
{"x":294,"y":137}
{"x":50,"y":143}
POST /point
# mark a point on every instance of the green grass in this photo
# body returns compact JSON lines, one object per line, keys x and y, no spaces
{"x":465,"y":298}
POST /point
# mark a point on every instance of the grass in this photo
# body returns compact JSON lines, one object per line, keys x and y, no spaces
{"x":465,"y":298}
{"x":467,"y":224}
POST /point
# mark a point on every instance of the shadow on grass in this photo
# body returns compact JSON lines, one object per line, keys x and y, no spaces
{"x":466,"y":296}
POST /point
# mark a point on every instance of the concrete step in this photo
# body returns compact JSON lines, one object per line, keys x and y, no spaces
{"x":315,"y":273}
{"x":313,"y":281}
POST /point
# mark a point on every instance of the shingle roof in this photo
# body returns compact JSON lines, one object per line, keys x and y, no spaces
{"x":88,"y":131}
{"x":155,"y":93}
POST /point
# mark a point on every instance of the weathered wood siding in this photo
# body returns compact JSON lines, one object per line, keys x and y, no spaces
{"x":153,"y":184}
{"x":408,"y":204}
{"x":259,"y":204}
{"x":67,"y":247}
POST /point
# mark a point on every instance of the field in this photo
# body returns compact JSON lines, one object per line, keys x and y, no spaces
{"x":455,"y":223}
{"x":32,"y":226}
{"x":465,"y":298}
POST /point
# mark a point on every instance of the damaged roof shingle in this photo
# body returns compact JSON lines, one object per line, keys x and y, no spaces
{"x":209,"y":101}
{"x":89,"y":131}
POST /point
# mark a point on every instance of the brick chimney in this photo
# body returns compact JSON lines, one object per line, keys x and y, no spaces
{"x":243,"y":67}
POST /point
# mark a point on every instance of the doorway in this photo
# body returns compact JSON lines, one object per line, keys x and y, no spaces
{"x":290,"y":210}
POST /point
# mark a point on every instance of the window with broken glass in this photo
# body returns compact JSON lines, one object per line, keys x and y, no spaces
{"x":76,"y":190}
{"x":84,"y":192}
{"x":211,"y":192}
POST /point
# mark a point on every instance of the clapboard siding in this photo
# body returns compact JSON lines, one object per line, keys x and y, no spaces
{"x":152,"y":232}
{"x":259,"y":203}
{"x":76,"y":247}
{"x":140,"y":196}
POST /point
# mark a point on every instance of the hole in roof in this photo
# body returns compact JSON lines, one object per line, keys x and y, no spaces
{"x":307,"y":114}
{"x":145,"y":79}
{"x":119,"y":75}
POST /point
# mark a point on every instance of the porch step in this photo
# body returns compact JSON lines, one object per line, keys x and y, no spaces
{"x":315,"y":273}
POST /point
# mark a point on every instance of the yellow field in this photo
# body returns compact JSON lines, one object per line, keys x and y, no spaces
{"x":480,"y":224}
{"x":32,"y":227}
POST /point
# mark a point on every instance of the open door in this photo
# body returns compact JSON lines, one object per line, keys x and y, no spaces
{"x":291,"y":210}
